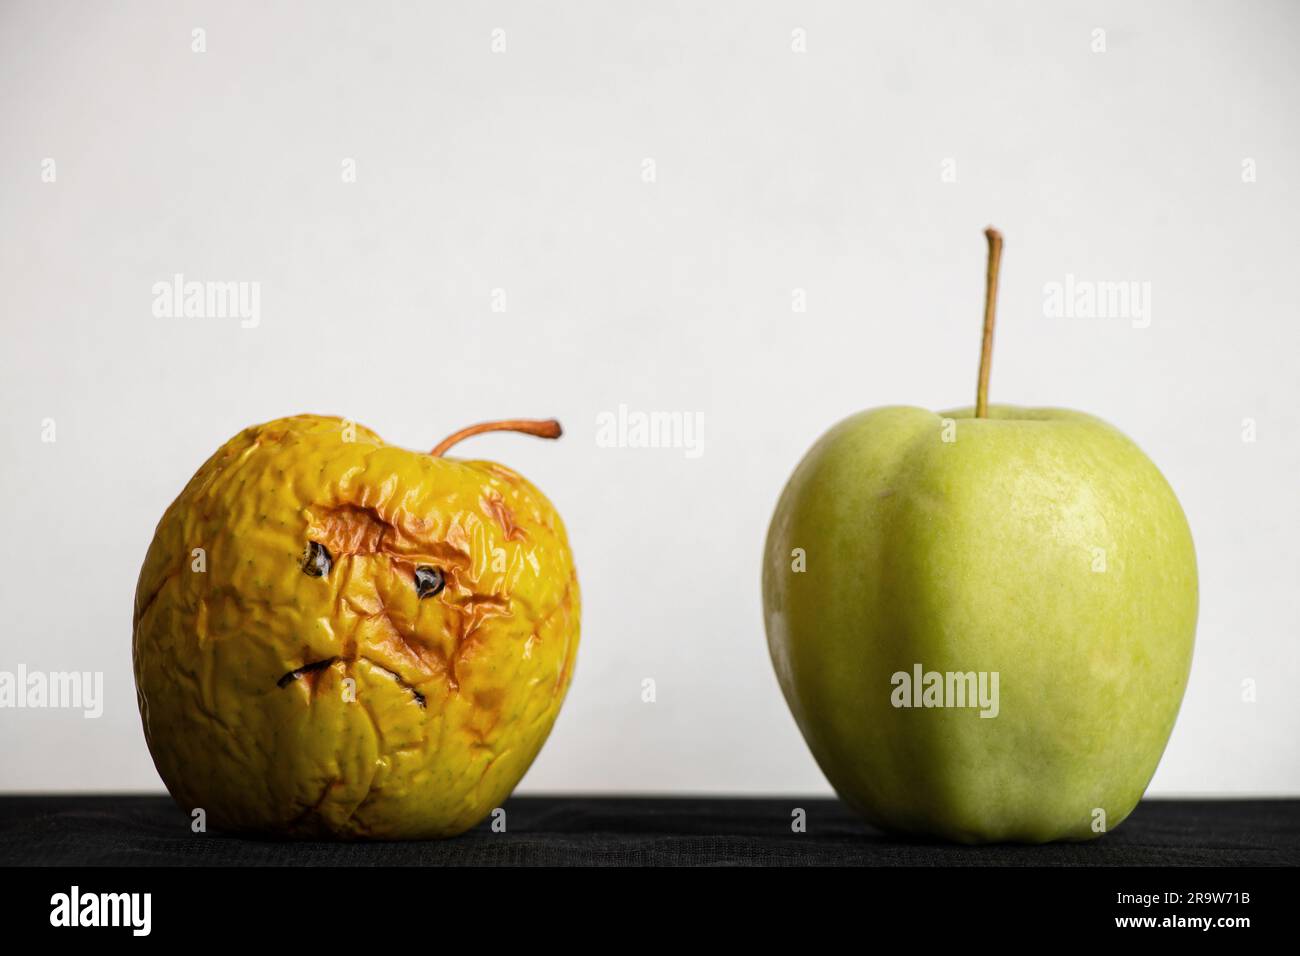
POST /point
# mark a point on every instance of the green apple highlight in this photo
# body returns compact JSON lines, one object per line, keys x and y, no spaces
{"x":982,"y":623}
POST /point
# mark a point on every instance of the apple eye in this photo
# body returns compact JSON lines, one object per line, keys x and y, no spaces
{"x":428,"y":581}
{"x":316,"y":560}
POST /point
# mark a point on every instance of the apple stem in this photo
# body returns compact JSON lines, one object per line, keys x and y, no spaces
{"x":990,"y":308}
{"x":541,"y":427}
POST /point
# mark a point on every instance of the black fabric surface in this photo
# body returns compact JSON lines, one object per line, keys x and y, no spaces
{"x":598,"y":831}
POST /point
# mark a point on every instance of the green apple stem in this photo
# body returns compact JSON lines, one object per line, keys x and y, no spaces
{"x":541,"y":427}
{"x":990,"y":309}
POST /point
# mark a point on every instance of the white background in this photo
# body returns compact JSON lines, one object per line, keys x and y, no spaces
{"x":523,"y":171}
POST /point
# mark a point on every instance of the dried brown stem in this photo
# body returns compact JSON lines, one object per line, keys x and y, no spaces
{"x":542,"y":428}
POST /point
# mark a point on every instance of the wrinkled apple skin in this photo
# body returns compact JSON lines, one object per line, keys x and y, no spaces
{"x":418,"y":715}
{"x":979,"y":554}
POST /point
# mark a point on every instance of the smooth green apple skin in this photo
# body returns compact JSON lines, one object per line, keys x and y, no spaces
{"x":979,"y":554}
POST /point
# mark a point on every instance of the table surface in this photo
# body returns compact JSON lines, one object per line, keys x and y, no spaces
{"x":106,"y":830}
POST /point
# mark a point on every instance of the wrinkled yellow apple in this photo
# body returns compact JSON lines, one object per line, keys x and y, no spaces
{"x":336,"y":637}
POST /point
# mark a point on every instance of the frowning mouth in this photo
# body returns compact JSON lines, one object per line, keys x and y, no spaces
{"x":314,"y":666}
{"x":293,"y":675}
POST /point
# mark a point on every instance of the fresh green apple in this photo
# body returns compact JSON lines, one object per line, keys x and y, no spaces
{"x":983,"y":619}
